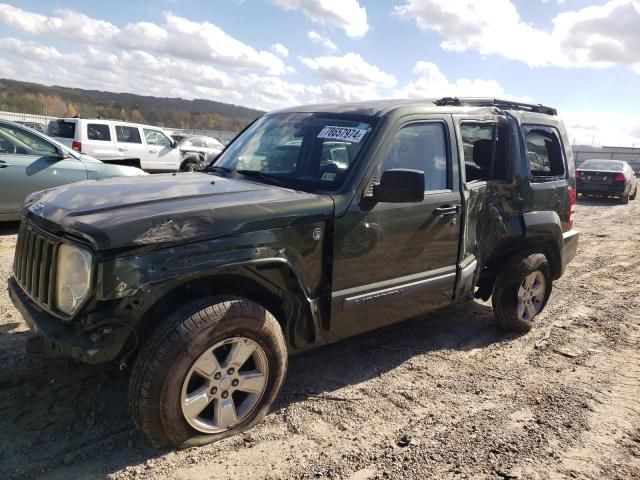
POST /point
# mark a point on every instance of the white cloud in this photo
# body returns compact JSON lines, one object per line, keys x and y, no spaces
{"x":350,"y":69}
{"x":315,"y":37}
{"x":178,"y":37}
{"x":205,"y":41}
{"x":598,"y":36}
{"x":346,"y":14}
{"x":6,"y":69}
{"x":280,"y":50}
{"x":30,"y":50}
{"x":602,"y":129}
{"x":430,"y":82}
{"x":66,"y":23}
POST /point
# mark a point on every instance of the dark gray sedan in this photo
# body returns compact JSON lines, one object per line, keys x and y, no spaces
{"x":611,"y":178}
{"x":31,"y":161}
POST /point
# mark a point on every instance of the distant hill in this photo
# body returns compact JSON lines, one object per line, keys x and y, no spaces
{"x":58,"y":101}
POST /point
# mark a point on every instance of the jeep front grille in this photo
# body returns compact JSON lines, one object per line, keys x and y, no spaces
{"x":34,"y":264}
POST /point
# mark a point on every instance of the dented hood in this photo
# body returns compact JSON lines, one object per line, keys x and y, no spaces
{"x":172,"y":208}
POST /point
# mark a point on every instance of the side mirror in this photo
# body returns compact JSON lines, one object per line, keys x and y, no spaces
{"x":400,"y":185}
{"x":61,"y":154}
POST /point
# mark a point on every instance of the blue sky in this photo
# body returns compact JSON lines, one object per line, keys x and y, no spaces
{"x":580,"y":56}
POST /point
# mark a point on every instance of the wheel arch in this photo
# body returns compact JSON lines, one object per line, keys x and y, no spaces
{"x":505,"y":251}
{"x":273,"y":285}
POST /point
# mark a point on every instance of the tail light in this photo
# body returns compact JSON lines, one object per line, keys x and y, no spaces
{"x":578,"y":175}
{"x":77,"y":146}
{"x":620,"y":178}
{"x":572,"y":206}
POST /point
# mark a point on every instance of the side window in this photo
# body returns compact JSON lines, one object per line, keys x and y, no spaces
{"x":544,"y":151}
{"x":484,"y":146}
{"x":20,"y":142}
{"x":97,"y":131}
{"x":125,"y":134}
{"x":420,"y":146}
{"x":154,"y":137}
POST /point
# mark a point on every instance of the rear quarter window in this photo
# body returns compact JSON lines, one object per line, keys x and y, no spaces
{"x":544,"y":152}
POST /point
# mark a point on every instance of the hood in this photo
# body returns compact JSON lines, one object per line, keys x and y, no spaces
{"x":171,"y":208}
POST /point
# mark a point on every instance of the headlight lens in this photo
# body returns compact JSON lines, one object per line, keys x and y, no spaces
{"x":74,"y":277}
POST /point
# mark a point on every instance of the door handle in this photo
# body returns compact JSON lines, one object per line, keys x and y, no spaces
{"x":122,"y":149}
{"x":447,"y":210}
{"x":153,"y":151}
{"x":4,"y":164}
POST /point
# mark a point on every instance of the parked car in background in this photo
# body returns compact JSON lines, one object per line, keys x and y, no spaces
{"x":29,"y":162}
{"x":611,"y":178}
{"x":122,"y":143}
{"x":204,"y":148}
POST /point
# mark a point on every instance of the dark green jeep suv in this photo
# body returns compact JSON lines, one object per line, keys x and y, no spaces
{"x":314,"y":224}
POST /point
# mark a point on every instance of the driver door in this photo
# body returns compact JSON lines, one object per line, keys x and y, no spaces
{"x":29,"y":163}
{"x":396,"y":260}
{"x":161,"y":154}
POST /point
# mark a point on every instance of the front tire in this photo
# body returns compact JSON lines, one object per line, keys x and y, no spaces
{"x":521,"y":292}
{"x":211,"y":371}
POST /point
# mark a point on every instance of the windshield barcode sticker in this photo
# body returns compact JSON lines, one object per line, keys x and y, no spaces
{"x":347,"y":134}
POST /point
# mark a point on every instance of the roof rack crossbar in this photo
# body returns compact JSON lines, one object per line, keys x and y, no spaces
{"x":495,"y":102}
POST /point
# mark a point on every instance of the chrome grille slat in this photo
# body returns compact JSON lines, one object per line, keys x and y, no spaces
{"x":34,"y":264}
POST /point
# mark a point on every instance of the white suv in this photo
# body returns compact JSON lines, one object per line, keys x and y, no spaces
{"x":123,"y":143}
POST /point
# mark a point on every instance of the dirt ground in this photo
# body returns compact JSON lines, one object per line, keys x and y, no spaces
{"x":443,"y":396}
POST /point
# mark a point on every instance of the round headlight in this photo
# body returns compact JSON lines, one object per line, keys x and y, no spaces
{"x":73,"y":277}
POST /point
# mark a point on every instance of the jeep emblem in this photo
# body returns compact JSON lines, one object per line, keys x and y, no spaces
{"x":317,"y":234}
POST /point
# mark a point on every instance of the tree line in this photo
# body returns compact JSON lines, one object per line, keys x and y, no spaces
{"x":58,"y":101}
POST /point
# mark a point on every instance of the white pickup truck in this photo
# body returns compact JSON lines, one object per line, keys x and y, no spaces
{"x":123,"y":143}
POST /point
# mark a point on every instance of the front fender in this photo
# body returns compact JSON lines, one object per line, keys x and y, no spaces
{"x":293,"y":246}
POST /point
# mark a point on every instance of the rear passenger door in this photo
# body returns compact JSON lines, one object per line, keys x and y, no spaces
{"x":396,"y":260}
{"x":130,"y":146}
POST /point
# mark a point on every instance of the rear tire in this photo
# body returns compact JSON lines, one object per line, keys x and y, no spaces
{"x":635,"y":193}
{"x":624,"y":199}
{"x":163,"y":398}
{"x":515,"y":303}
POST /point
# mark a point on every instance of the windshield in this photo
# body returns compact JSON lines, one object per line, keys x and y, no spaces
{"x":601,"y":165}
{"x":306,"y":151}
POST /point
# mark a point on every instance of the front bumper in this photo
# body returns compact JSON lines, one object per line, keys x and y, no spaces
{"x":97,"y":346}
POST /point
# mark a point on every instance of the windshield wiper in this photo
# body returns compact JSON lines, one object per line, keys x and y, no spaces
{"x":264,"y":176}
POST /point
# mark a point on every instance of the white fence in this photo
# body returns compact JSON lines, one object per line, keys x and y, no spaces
{"x":224,"y":137}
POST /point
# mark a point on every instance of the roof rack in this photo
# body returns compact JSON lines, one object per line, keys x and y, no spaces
{"x":495,"y":102}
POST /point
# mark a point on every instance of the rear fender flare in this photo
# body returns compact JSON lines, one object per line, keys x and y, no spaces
{"x":543,"y":232}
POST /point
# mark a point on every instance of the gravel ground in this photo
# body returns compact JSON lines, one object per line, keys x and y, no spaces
{"x":442,"y":396}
